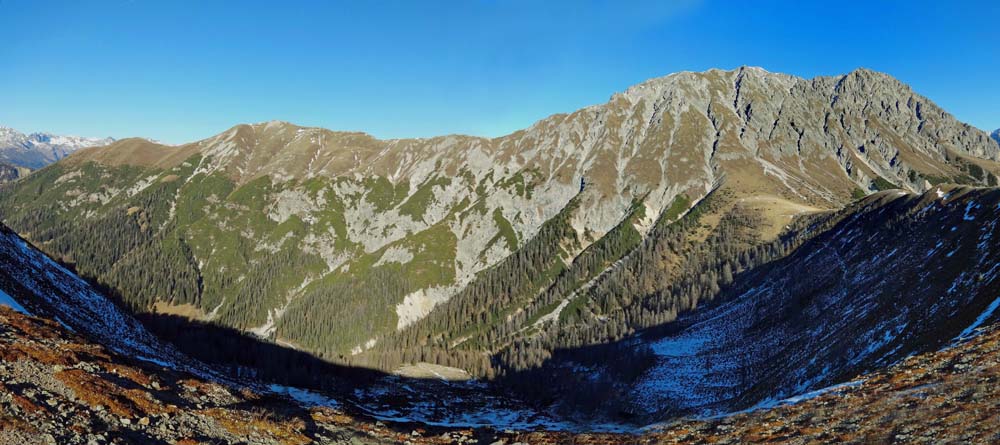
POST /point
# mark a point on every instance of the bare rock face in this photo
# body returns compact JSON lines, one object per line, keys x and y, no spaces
{"x":347,"y":204}
{"x":996,"y":135}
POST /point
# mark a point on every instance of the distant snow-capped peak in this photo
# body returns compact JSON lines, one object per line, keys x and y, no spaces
{"x":36,"y":150}
{"x":11,"y":136}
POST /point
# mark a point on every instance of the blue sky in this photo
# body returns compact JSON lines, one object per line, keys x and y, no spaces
{"x":179,"y":70}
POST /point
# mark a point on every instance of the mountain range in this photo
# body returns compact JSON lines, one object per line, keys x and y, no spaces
{"x":702,"y":243}
{"x":37,"y":150}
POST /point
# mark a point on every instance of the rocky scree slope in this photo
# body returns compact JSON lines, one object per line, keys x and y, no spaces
{"x":294,"y":233}
{"x":57,"y":387}
{"x":37,"y":150}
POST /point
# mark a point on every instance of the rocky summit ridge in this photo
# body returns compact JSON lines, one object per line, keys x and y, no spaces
{"x":434,"y":213}
{"x":699,"y":244}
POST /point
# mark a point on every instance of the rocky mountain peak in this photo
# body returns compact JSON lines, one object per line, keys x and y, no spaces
{"x":439,"y":211}
{"x":36,"y":150}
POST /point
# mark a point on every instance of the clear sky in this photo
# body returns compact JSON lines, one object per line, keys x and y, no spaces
{"x":179,"y":70}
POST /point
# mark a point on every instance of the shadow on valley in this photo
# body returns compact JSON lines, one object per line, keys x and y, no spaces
{"x":583,"y":395}
{"x":525,"y":394}
{"x":243,"y":355}
{"x":575,"y":386}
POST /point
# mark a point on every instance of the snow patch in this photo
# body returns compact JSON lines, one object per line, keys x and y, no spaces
{"x":304,"y":397}
{"x":10,"y":302}
{"x":969,"y":332}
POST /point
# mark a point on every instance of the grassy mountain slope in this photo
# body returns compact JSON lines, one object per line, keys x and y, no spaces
{"x":339,"y":242}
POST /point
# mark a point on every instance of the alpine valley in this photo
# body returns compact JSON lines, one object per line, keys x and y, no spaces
{"x":719,"y":256}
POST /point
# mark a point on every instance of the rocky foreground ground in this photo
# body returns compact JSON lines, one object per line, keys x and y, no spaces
{"x":58,"y":388}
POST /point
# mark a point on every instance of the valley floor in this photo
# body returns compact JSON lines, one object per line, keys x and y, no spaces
{"x":58,"y":388}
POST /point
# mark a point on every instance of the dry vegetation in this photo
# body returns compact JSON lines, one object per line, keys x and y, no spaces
{"x":56,"y":384}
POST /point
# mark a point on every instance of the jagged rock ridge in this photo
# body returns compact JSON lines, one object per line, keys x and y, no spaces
{"x":37,"y":150}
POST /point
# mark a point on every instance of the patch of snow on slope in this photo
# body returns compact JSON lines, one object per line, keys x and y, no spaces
{"x":460,"y":405}
{"x":970,"y":331}
{"x":968,"y":208}
{"x":303,"y":396}
{"x":9,"y":301}
{"x":692,"y":371}
{"x":772,"y":403}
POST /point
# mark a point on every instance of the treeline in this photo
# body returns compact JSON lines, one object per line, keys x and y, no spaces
{"x":681,"y":264}
{"x":594,"y":260}
{"x":94,"y":246}
{"x":495,"y":291}
{"x":671,"y":272}
{"x":621,"y":284}
{"x":336,"y":313}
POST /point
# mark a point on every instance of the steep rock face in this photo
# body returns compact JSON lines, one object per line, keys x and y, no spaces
{"x":37,"y":150}
{"x":897,"y":274}
{"x":996,"y":135}
{"x":266,"y":223}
